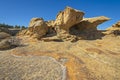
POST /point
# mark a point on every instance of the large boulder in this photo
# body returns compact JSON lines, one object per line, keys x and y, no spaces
{"x":66,"y":19}
{"x":38,"y":27}
{"x":9,"y":43}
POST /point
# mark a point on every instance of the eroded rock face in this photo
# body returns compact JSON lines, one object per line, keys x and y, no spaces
{"x":91,"y":23}
{"x":50,"y":23}
{"x":38,"y":27}
{"x":66,"y":19}
{"x":115,"y":26}
{"x":68,"y":26}
{"x":87,"y":28}
{"x":51,"y":28}
{"x":9,"y":43}
{"x":114,"y":29}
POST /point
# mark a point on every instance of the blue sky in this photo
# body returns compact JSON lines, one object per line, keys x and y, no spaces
{"x":19,"y":12}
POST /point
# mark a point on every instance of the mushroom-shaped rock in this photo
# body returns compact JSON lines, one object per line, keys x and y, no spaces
{"x":91,"y":23}
{"x":38,"y":27}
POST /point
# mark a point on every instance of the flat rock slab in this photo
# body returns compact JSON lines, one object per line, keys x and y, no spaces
{"x":30,"y":68}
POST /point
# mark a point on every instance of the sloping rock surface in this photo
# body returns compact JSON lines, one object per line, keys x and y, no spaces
{"x":31,"y":68}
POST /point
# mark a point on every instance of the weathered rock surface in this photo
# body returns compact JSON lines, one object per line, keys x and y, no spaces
{"x":31,"y":68}
{"x":51,"y":28}
{"x":68,"y":26}
{"x":50,"y":23}
{"x":114,"y":30}
{"x":37,"y":27}
{"x":9,"y":43}
{"x":66,"y":19}
{"x":91,"y":23}
{"x":84,"y":59}
{"x":115,"y":26}
{"x":4,"y":44}
{"x":87,"y":28}
{"x":55,"y":58}
{"x":4,"y":35}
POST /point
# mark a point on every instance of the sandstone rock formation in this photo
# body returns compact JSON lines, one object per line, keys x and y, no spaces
{"x":68,"y":26}
{"x":114,"y":29}
{"x":50,"y":23}
{"x":51,"y":28}
{"x":115,"y":26}
{"x":87,"y":28}
{"x":66,"y":19}
{"x":37,"y":27}
{"x":60,"y":59}
{"x":91,"y":23}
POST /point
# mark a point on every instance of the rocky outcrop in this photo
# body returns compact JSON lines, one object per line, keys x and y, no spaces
{"x":68,"y":26}
{"x":9,"y":43}
{"x":87,"y":28}
{"x":115,"y":26}
{"x":114,"y":29}
{"x":50,"y":23}
{"x":91,"y":23}
{"x":37,"y":27}
{"x":51,"y":28}
{"x":66,"y":19}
